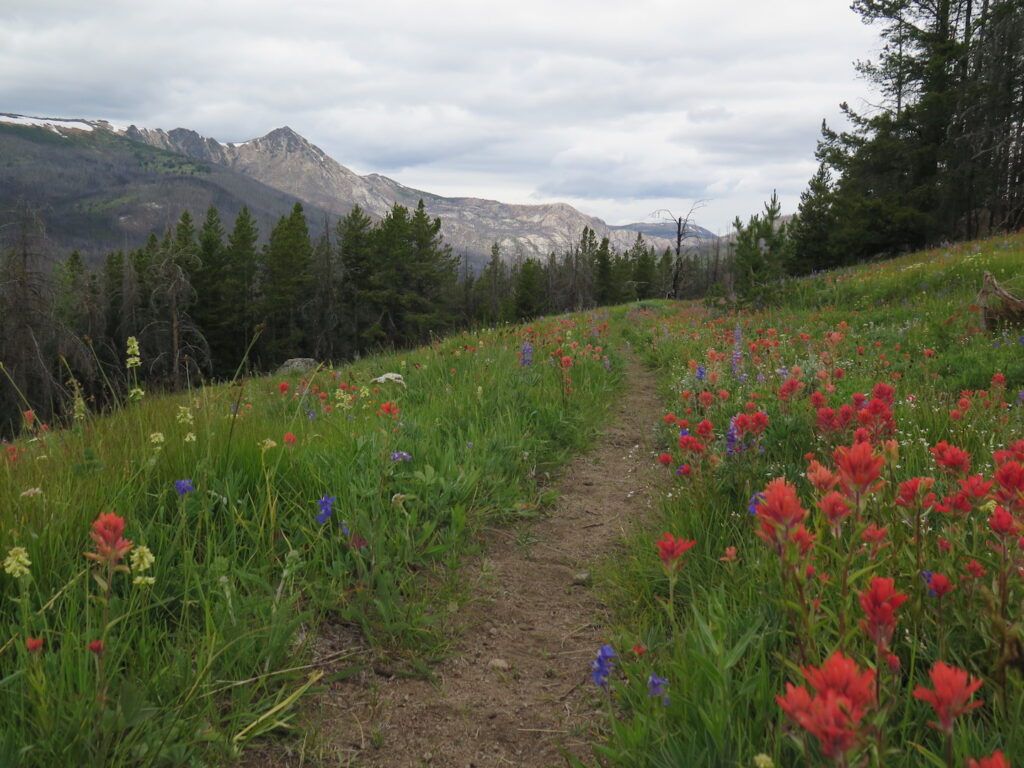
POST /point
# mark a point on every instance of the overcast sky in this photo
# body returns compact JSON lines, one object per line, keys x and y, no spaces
{"x":618,"y":108}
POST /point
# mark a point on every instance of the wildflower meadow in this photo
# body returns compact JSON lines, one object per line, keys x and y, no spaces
{"x":834,"y":575}
{"x":840,"y":580}
{"x":166,"y":567}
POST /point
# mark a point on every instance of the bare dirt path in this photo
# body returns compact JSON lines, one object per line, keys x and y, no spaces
{"x":516,"y":690}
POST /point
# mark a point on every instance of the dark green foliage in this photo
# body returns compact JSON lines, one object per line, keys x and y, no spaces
{"x":286,"y":282}
{"x":942,"y":158}
{"x":761,"y":251}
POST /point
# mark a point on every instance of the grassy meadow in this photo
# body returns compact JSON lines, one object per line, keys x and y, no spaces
{"x":166,"y":567}
{"x":835,"y":576}
{"x":839,"y":578}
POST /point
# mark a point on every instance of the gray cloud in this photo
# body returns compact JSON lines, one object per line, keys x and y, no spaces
{"x":617,"y":108}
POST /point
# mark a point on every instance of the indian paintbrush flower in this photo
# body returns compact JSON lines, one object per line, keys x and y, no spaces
{"x":950,"y":697}
{"x":106,"y":533}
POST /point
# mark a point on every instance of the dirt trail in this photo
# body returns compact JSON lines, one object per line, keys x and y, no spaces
{"x":517,"y":689}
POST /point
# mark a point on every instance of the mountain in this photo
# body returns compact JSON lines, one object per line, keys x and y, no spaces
{"x":286,"y":161}
{"x":99,"y":191}
{"x":102,"y":187}
{"x":667,"y":230}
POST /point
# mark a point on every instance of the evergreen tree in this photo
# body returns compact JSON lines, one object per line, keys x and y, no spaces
{"x":354,"y":235}
{"x":529,"y":296}
{"x":239,"y":288}
{"x":813,"y":231}
{"x":761,"y":253}
{"x":645,"y":277}
{"x":286,"y":283}
{"x":211,"y":280}
{"x":326,"y":311}
{"x":604,"y":290}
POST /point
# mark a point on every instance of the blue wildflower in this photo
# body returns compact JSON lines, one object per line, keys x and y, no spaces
{"x":656,"y":687}
{"x":701,"y":373}
{"x":326,"y":504}
{"x":526,"y":355}
{"x":184,"y":486}
{"x":602,"y":666}
{"x":730,"y":438}
{"x":400,"y":456}
{"x":756,"y":499}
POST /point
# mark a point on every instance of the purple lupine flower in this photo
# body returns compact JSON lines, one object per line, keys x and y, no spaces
{"x":656,"y":687}
{"x":397,"y":456}
{"x":756,"y":499}
{"x":701,"y":372}
{"x":526,"y":355}
{"x":602,"y":666}
{"x":326,"y":504}
{"x":184,"y":486}
{"x":730,"y":438}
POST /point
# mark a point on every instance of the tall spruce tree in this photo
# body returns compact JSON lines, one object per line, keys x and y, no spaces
{"x":286,"y":282}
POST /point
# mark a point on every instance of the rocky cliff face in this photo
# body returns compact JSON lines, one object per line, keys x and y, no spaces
{"x":288,"y":162}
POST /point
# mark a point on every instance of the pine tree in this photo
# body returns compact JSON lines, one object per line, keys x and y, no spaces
{"x":239,"y":288}
{"x":814,"y":229}
{"x":212,"y":313}
{"x":286,"y":282}
{"x":354,"y":235}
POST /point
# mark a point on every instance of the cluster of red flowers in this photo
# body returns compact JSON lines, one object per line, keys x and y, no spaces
{"x":834,"y":713}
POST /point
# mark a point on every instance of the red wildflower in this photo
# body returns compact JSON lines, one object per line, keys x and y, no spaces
{"x":951,"y":459}
{"x":34,"y":644}
{"x":107,"y":532}
{"x":1013,"y":452}
{"x":96,"y":646}
{"x":950,"y":698}
{"x":669,"y":418}
{"x":822,"y":478}
{"x":789,"y":388}
{"x":639,"y":649}
{"x":916,"y":492}
{"x":566,"y":362}
{"x":976,"y":486}
{"x":880,"y":602}
{"x":835,"y":508}
{"x":779,"y":512}
{"x":976,"y":569}
{"x":282,"y":387}
{"x":874,"y":534}
{"x":1001,"y":522}
{"x":671,"y":549}
{"x":859,"y":468}
{"x":842,"y":694}
{"x":690,"y":444}
{"x":1009,"y":479}
{"x":665,"y":459}
{"x":996,"y":760}
{"x":730,"y":555}
{"x":289,"y":438}
{"x":939,"y":585}
{"x":388,"y":408}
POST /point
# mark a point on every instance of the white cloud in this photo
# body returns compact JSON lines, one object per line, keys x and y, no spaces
{"x":617,"y":108}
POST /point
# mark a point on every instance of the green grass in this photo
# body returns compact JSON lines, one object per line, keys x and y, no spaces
{"x":211,"y":655}
{"x":739,"y":631}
